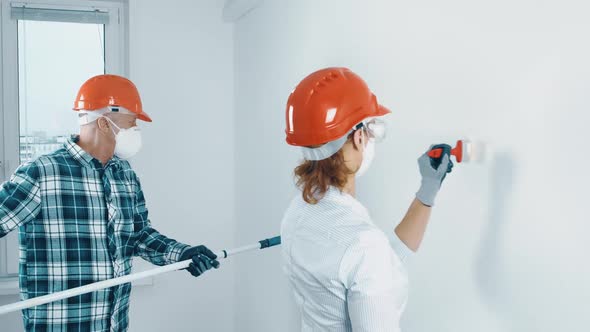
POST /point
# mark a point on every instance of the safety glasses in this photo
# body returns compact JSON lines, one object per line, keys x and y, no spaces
{"x":375,"y":128}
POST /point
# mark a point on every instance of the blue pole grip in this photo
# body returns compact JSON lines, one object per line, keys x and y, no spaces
{"x":266,"y":243}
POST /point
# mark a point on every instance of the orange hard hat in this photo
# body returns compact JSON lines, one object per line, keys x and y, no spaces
{"x":328,"y":104}
{"x":110,"y":90}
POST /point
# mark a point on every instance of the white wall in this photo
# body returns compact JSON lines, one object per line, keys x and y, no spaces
{"x":181,"y":60}
{"x":506,"y":250}
{"x":13,"y":321}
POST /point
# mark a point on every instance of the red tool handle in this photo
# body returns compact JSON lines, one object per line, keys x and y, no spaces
{"x":457,"y":151}
{"x":435,"y":153}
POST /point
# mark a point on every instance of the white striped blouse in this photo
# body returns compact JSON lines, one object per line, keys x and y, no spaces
{"x":346,"y":274}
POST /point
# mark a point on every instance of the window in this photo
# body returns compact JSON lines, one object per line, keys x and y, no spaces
{"x":49,"y":48}
{"x":54,"y":58}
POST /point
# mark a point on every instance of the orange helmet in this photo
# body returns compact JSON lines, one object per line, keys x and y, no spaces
{"x":110,"y":90}
{"x":327,"y":105}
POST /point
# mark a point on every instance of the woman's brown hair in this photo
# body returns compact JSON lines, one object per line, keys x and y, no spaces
{"x":314,"y":178}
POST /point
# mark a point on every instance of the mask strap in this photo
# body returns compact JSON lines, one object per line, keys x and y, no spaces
{"x":87,"y":117}
{"x":114,"y":124}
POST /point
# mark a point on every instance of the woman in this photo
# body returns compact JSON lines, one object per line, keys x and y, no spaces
{"x":346,"y":274}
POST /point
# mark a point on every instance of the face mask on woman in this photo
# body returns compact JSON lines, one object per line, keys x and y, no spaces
{"x":368,"y":155}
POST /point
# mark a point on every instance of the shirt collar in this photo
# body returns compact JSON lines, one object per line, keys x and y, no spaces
{"x":84,"y":158}
{"x":341,"y":197}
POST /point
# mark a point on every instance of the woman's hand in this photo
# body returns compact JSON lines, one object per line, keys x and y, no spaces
{"x":412,"y":228}
{"x":432,"y":178}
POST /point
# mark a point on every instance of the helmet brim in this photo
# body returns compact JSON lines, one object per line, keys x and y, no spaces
{"x":382,"y":110}
{"x":144,"y":117}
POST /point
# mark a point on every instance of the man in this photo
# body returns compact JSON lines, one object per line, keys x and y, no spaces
{"x":82,"y":216}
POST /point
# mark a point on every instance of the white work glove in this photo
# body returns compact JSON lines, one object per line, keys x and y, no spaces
{"x":432,"y":178}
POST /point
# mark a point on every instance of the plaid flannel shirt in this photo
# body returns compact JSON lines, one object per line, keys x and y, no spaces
{"x":79,"y":222}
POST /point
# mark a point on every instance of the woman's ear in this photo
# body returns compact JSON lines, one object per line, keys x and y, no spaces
{"x":358,"y":139}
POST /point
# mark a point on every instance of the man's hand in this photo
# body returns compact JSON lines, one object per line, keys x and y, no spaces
{"x":203,"y":260}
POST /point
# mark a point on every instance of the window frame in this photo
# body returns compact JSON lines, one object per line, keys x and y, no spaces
{"x":116,"y":62}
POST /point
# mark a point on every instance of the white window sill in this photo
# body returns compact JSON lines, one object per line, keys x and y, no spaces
{"x":9,"y":285}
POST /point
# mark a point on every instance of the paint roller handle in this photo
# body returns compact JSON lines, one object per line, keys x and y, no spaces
{"x":267,"y":243}
{"x":32,"y":302}
{"x":437,"y":152}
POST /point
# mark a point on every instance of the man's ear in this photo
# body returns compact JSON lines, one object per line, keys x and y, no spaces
{"x":103,"y":124}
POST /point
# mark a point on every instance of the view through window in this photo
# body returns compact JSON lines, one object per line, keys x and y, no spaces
{"x":54,"y":59}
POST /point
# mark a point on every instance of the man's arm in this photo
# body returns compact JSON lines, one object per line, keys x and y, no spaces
{"x":150,"y":244}
{"x":20,"y":200}
{"x":161,"y":250}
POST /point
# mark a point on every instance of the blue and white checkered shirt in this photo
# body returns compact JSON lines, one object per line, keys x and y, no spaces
{"x":79,"y":222}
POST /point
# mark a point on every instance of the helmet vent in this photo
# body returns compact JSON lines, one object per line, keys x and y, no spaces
{"x":324,"y":82}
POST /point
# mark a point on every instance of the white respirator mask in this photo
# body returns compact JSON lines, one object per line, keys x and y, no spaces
{"x":127,"y":141}
{"x":368,"y":154}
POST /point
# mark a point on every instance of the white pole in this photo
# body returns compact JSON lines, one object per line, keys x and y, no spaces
{"x":120,"y":280}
